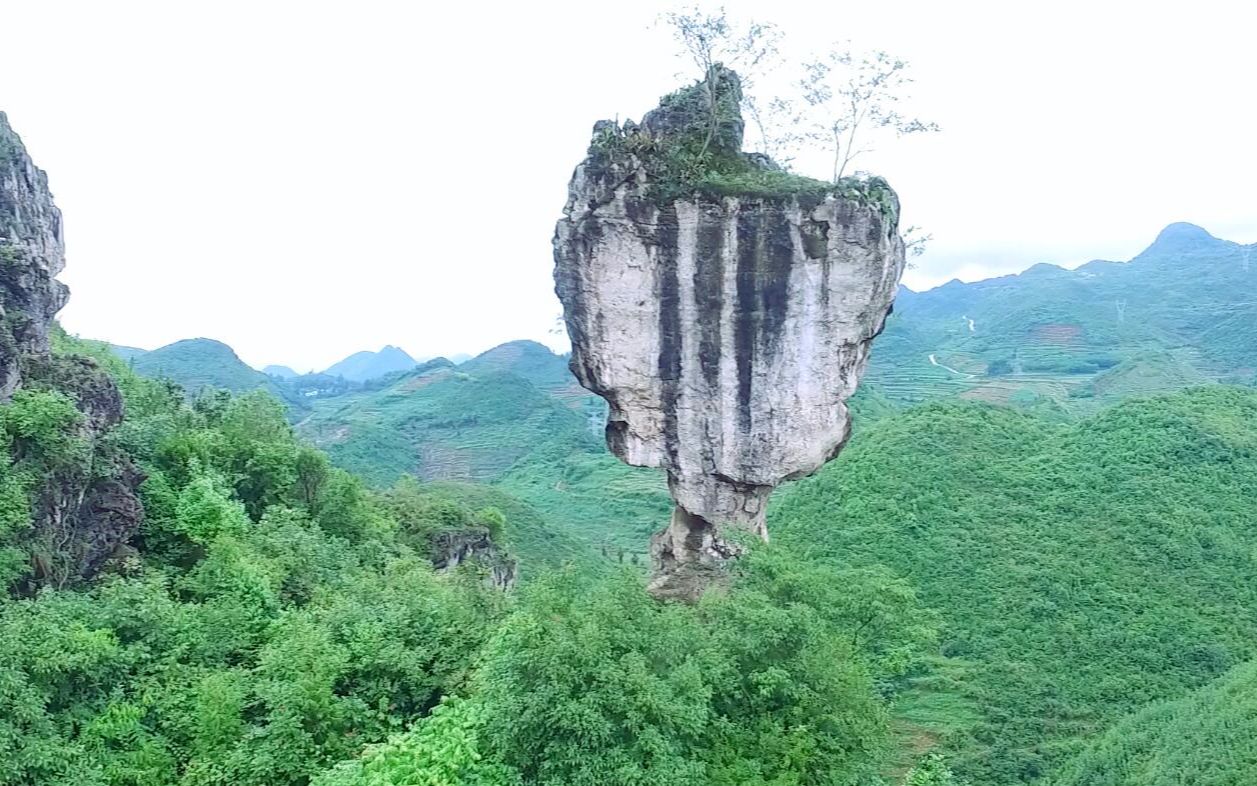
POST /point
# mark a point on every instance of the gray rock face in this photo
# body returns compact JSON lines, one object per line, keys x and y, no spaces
{"x":474,"y":546}
{"x":81,"y":513}
{"x":725,"y":332}
{"x":32,"y":252}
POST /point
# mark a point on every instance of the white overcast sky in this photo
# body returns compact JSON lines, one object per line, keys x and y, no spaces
{"x":306,"y":179}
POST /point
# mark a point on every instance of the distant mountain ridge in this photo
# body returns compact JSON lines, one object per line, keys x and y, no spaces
{"x":1176,"y":315}
{"x":283,"y":372}
{"x":531,"y":360}
{"x":1180,"y":310}
{"x":366,"y":365}
{"x":125,"y":352}
{"x":196,"y":363}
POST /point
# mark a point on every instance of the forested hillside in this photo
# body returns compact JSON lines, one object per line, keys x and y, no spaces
{"x":1080,"y":570}
{"x":1208,"y":737}
{"x":198,"y":363}
{"x":1074,"y":573}
{"x":1063,"y":344}
{"x":1173,"y":316}
{"x":270,"y":616}
{"x":273,"y":616}
{"x":512,"y":417}
{"x":1082,"y":567}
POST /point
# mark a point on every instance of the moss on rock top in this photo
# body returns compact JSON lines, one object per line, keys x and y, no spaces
{"x":687,"y":150}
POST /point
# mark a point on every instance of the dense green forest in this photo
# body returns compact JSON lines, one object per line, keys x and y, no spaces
{"x":271,"y":617}
{"x":1037,"y":598}
{"x":1079,"y":570}
{"x":1208,"y":737}
{"x":1032,"y":563}
{"x":275,"y":616}
{"x":1088,"y":576}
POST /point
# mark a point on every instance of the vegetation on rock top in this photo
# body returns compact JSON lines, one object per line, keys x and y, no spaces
{"x":682,"y":159}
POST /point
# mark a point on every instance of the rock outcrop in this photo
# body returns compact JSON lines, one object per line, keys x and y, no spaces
{"x":724,"y":316}
{"x":83,"y":511}
{"x":473,"y":546}
{"x":32,"y":253}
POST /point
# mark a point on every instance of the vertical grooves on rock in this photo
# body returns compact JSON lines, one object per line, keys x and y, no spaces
{"x":728,"y":425}
{"x":709,"y":275}
{"x":585,"y":237}
{"x":744,"y":326}
{"x":669,"y":325}
{"x":725,"y":333}
{"x":775,"y":260}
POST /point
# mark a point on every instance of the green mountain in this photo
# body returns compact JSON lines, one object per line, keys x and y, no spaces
{"x":490,"y":420}
{"x":363,"y":366}
{"x":1177,"y":313}
{"x":1206,"y":738}
{"x":440,"y":423}
{"x":530,"y":360}
{"x":1079,"y":570}
{"x":198,"y":363}
{"x":283,"y":372}
{"x":1088,"y":551}
{"x":125,"y":352}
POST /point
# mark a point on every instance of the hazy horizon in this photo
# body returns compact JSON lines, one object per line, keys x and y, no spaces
{"x":560,"y":345}
{"x":303,"y":180}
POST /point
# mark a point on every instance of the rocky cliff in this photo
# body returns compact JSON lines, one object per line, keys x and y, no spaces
{"x":724,"y":309}
{"x":473,"y":546}
{"x":83,"y":510}
{"x":31,"y":254}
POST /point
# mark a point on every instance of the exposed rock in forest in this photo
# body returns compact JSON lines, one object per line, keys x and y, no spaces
{"x":31,"y":254}
{"x":474,"y":545}
{"x":84,"y":510}
{"x":724,"y":309}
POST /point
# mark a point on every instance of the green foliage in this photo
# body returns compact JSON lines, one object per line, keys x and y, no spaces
{"x":517,"y":420}
{"x":539,"y":537}
{"x":41,"y":440}
{"x":1175,"y":316}
{"x":1079,"y":571}
{"x":794,"y":702}
{"x":443,"y":424}
{"x":204,"y":510}
{"x":443,"y":750}
{"x":597,"y":686}
{"x":698,"y":151}
{"x":762,"y":684}
{"x":1206,"y":738}
{"x":932,"y":771}
{"x":581,"y":488}
{"x":274,"y":618}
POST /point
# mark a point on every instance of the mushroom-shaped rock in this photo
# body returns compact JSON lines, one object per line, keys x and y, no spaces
{"x":724,"y":311}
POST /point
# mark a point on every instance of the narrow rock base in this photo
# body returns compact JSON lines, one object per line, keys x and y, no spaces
{"x":691,"y":555}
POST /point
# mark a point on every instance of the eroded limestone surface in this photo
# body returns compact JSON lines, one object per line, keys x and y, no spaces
{"x":725,"y":332}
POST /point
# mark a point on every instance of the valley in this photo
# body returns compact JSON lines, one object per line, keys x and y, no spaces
{"x":1052,"y":492}
{"x":769,"y":517}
